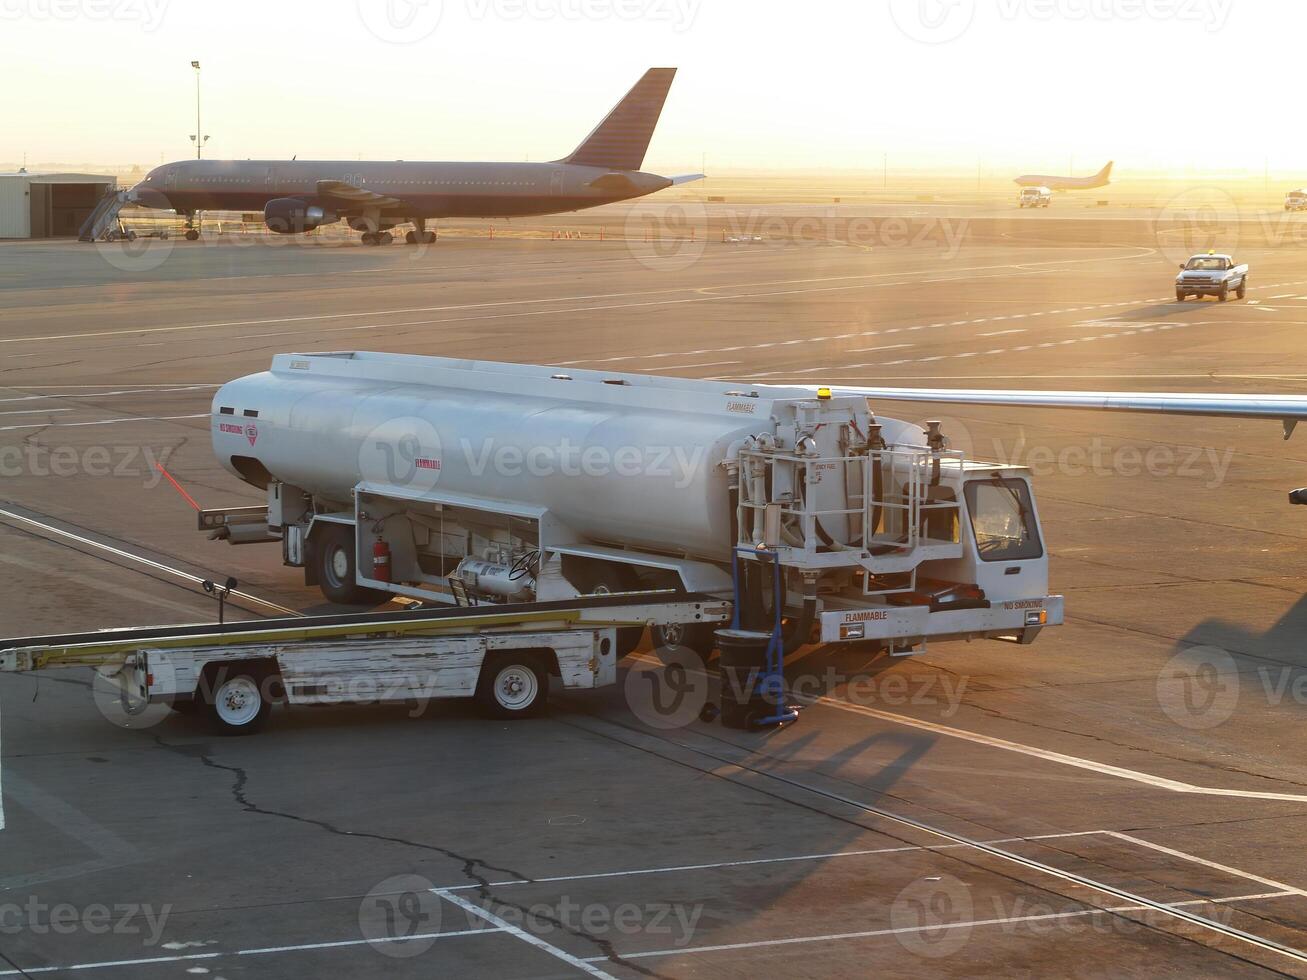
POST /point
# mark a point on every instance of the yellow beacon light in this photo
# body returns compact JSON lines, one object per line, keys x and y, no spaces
{"x":823,"y":394}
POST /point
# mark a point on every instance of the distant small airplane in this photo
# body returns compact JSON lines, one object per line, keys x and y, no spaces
{"x":1100,"y":179}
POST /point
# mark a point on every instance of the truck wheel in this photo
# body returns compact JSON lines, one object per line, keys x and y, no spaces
{"x":1180,"y":295}
{"x":238,"y":705}
{"x":605,"y":578}
{"x":699,"y":637}
{"x":512,"y":686}
{"x":1224,"y":294}
{"x":337,"y":566}
{"x":1242,"y":291}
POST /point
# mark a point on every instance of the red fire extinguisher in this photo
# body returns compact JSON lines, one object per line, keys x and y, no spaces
{"x":381,"y":560}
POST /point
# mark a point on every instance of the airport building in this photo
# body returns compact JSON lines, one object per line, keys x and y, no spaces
{"x":41,"y":205}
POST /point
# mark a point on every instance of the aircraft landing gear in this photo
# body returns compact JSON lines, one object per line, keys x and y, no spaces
{"x":420,"y":235}
{"x":192,"y":229}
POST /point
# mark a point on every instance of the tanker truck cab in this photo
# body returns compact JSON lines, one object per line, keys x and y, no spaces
{"x":478,"y":483}
{"x":1034,"y":197}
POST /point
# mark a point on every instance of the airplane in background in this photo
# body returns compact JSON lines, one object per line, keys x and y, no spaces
{"x":1100,"y":179}
{"x":297,"y":196}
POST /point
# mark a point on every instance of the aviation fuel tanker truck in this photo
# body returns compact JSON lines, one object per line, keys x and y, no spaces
{"x":475,"y":482}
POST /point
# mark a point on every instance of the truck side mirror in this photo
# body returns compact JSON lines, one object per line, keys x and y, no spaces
{"x":1182,"y":267}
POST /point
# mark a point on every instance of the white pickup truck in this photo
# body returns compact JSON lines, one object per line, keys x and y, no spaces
{"x":1211,"y":274}
{"x":1296,"y":200}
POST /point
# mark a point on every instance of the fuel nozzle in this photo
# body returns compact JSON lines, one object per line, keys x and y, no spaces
{"x":935,"y":439}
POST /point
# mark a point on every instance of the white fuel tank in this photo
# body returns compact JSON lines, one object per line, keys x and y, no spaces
{"x":616,"y":458}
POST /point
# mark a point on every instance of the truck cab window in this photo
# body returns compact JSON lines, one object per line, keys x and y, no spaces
{"x":1002,"y":519}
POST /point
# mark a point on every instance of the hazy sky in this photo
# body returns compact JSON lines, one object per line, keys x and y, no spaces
{"x":1011,"y":84}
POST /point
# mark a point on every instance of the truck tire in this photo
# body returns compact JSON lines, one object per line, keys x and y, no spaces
{"x":699,"y":637}
{"x":238,"y":705}
{"x":1180,"y":295}
{"x":1224,"y":294}
{"x":604,"y":578}
{"x":336,"y":563}
{"x":1242,"y":291}
{"x":512,"y":685}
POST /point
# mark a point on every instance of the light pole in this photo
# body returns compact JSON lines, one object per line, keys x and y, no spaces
{"x":197,"y":138}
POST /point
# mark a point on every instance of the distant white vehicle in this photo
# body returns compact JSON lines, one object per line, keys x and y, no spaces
{"x":1211,"y":274}
{"x":1296,"y":200}
{"x":1035,"y":197}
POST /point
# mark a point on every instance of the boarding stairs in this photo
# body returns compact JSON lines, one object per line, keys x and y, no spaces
{"x":103,"y":224}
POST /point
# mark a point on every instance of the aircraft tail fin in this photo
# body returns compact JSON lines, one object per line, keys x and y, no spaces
{"x":620,"y":141}
{"x":1106,"y":173}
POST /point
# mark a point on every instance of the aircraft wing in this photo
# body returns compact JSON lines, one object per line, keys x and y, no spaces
{"x":339,"y":190}
{"x":1288,"y":409}
{"x":687,"y":178}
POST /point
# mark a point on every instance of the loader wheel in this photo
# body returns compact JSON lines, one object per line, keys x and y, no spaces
{"x":238,"y":705}
{"x":337,"y":563}
{"x":512,"y":686}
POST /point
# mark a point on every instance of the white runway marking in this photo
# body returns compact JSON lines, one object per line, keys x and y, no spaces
{"x":932,"y":927}
{"x":867,"y":350}
{"x":1158,"y":782}
{"x":751,"y":862}
{"x":1002,"y":333}
{"x":526,"y":937}
{"x":676,"y":367}
{"x":1185,"y":855}
{"x":106,"y":394}
{"x":40,"y":527}
{"x":72,"y":425}
{"x":38,"y":411}
{"x":261,"y":951}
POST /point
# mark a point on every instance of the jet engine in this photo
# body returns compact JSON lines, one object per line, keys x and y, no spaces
{"x":291,"y":216}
